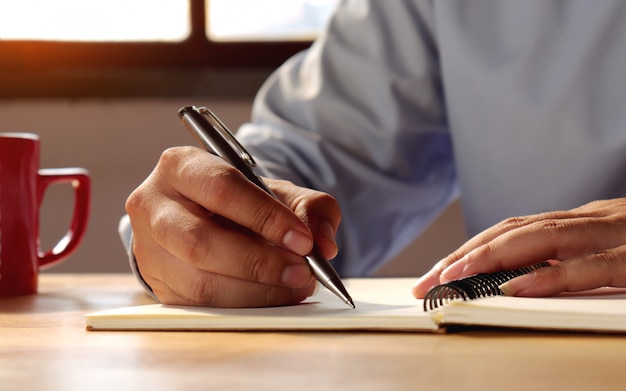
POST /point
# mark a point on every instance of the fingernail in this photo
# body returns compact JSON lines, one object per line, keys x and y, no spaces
{"x":454,"y":271}
{"x":297,"y":242}
{"x":421,"y":287}
{"x":518,"y":284}
{"x":327,"y":231}
{"x":420,"y":280}
{"x":432,"y":274}
{"x":426,"y":278}
{"x":296,"y":276}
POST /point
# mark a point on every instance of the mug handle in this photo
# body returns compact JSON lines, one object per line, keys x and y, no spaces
{"x":81,"y":182}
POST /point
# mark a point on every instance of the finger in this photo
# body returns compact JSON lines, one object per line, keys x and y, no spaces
{"x":428,"y":280}
{"x":319,"y":211}
{"x":217,"y":186}
{"x":505,"y":226}
{"x":496,"y":249}
{"x":457,"y":258}
{"x":177,"y":283}
{"x":434,"y":276}
{"x":599,"y":269}
{"x":537,"y":242}
{"x":191,"y":235}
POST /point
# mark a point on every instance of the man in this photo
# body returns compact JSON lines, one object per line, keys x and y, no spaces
{"x":396,"y":110}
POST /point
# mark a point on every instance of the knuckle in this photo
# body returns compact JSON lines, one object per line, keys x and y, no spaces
{"x":269,"y":297}
{"x":256,"y":267}
{"x":484,"y":251}
{"x":449,"y":260}
{"x":217,"y":181}
{"x":171,"y":160}
{"x":160,"y":226}
{"x":558,"y":273}
{"x":188,"y":238}
{"x":168,"y":155}
{"x":172,"y":156}
{"x":194,"y":241}
{"x":606,"y":263}
{"x":135,"y":202}
{"x":274,"y":296}
{"x":165,"y":293}
{"x":219,"y":185}
{"x":264,"y":220}
{"x":198,"y":289}
{"x":552,"y":280}
{"x":513,"y":222}
{"x":146,"y":194}
{"x":600,"y":268}
{"x":552,"y":228}
{"x":522,"y":221}
{"x":603,"y":259}
{"x":203,"y":290}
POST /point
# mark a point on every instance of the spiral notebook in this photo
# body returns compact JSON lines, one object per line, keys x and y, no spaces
{"x":386,"y":304}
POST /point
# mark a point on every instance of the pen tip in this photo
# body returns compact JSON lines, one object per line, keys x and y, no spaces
{"x":350,"y":303}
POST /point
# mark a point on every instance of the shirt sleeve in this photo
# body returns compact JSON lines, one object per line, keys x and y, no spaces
{"x":126,"y":234}
{"x":360,"y":115}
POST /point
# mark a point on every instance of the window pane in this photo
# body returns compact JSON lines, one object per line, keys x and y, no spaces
{"x":266,"y":20}
{"x":95,"y":20}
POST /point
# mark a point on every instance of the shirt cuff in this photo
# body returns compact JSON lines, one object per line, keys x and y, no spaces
{"x":126,"y":234}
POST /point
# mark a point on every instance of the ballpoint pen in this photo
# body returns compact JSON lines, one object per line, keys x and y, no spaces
{"x":215,"y":137}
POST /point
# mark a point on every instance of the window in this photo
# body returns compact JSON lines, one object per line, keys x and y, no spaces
{"x":54,"y":47}
{"x":274,"y":20}
{"x":91,"y":21}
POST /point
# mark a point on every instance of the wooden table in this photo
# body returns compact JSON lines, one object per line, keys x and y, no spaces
{"x":44,"y":346}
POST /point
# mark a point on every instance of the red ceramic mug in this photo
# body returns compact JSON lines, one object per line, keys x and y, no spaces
{"x":22,"y":187}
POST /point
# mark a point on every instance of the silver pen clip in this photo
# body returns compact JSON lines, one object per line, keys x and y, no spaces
{"x":226,"y":134}
{"x":211,"y":133}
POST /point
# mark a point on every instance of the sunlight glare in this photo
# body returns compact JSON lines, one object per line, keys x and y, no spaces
{"x":266,"y":20}
{"x":95,"y":20}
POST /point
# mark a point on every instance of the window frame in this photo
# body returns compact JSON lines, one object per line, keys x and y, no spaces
{"x":31,"y":68}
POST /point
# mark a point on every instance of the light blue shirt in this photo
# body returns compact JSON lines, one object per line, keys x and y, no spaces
{"x":399,"y":107}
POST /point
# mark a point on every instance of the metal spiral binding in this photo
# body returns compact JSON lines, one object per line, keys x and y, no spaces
{"x":473,"y":287}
